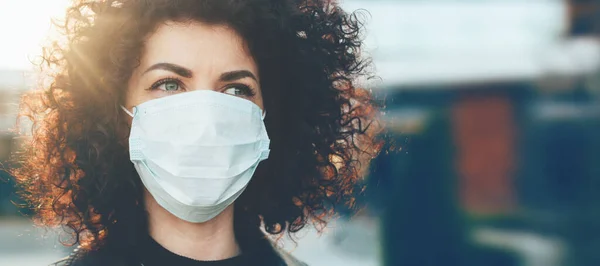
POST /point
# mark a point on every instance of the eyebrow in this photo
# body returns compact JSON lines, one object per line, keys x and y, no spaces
{"x":186,"y":73}
{"x":237,"y":74}
{"x":179,"y":70}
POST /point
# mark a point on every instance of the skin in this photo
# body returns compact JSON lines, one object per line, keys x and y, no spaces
{"x":193,"y":56}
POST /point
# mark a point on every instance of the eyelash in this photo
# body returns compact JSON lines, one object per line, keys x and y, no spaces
{"x":246,"y":90}
{"x":160,"y":82}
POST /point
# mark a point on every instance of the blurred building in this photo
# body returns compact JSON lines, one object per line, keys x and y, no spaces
{"x":496,"y":106}
{"x":583,"y":17}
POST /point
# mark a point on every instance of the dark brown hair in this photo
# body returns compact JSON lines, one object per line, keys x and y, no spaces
{"x":77,"y":171}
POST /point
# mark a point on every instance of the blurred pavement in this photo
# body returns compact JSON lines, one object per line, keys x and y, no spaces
{"x":23,"y":244}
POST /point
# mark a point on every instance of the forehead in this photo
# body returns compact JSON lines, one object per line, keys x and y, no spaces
{"x":197,"y":46}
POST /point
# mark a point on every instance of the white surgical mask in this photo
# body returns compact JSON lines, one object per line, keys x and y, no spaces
{"x":195,"y":152}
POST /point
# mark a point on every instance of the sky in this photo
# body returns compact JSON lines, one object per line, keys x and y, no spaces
{"x":24,"y":24}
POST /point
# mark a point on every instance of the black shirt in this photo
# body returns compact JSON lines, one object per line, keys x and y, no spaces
{"x":151,"y":253}
{"x":148,"y":252}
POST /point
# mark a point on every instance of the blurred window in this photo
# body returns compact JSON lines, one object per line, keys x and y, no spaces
{"x":584,"y":18}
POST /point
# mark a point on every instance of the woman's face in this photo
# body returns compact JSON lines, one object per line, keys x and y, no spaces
{"x":182,"y":57}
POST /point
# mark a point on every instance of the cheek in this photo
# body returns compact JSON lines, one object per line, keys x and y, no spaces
{"x":134,"y":94}
{"x":259,"y":100}
{"x":260,"y":103}
{"x":133,"y":97}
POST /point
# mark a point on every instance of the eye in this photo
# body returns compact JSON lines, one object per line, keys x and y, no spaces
{"x":167,"y":85}
{"x":170,"y":86}
{"x":239,"y":90}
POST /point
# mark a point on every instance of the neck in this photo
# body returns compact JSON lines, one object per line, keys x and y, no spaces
{"x":211,"y":240}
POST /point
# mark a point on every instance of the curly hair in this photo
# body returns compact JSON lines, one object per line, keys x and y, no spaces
{"x":77,"y":172}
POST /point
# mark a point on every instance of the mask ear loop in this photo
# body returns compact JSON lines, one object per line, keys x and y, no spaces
{"x":264,"y":114}
{"x":127,"y":111}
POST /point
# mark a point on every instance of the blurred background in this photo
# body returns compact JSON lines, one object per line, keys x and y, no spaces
{"x":493,"y":103}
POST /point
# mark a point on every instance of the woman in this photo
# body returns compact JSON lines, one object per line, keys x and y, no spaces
{"x":160,"y":113}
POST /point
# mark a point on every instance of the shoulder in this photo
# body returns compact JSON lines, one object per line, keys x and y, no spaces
{"x":291,"y":260}
{"x":61,"y":262}
{"x":287,"y":258}
{"x":82,"y":257}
